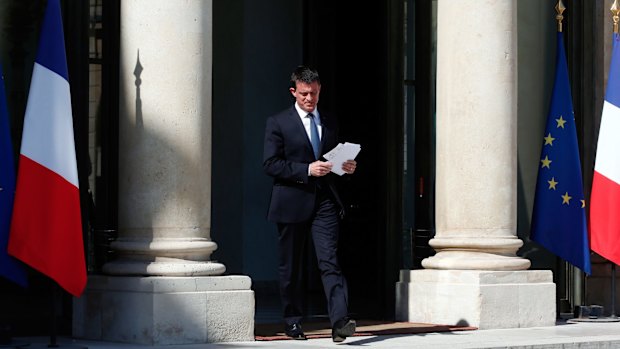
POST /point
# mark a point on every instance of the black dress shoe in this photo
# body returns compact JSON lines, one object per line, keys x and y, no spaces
{"x":294,"y":331}
{"x":342,"y":329}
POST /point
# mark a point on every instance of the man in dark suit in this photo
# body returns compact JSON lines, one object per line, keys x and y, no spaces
{"x":304,"y":202}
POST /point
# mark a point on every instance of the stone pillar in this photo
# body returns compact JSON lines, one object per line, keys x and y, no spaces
{"x":164,"y":215}
{"x":163,"y":288}
{"x":475,"y":278}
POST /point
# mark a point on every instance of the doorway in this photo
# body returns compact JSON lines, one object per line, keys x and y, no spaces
{"x":358,"y":51}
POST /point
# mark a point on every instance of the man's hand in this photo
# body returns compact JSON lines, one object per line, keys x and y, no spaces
{"x":320,"y":168}
{"x":349,"y":166}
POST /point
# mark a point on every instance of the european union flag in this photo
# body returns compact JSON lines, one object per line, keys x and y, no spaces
{"x":10,"y":267}
{"x":559,"y":217}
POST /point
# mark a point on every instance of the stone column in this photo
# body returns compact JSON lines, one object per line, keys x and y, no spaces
{"x":163,"y":288}
{"x":475,"y":277}
{"x":164,"y":215}
{"x":476,"y":162}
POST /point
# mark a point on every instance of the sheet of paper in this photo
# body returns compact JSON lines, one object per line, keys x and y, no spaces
{"x":341,"y":153}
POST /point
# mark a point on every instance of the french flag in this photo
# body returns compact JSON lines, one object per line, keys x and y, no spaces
{"x":605,"y":197}
{"x":46,"y":228}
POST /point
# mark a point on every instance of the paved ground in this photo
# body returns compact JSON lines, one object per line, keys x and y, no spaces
{"x":566,"y":336}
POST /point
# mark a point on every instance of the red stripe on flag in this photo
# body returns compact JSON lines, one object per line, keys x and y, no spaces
{"x":46,"y":228}
{"x":605,"y":217}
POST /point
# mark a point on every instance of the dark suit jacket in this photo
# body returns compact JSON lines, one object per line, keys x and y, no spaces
{"x":287,"y":154}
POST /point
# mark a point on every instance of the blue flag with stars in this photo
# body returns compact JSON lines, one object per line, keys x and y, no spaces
{"x":10,"y":267}
{"x":559,"y":217}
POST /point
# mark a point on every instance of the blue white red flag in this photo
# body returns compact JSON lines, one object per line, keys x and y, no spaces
{"x":46,"y":230}
{"x":605,"y":196}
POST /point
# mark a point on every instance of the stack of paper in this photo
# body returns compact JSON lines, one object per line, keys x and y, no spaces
{"x":341,"y":153}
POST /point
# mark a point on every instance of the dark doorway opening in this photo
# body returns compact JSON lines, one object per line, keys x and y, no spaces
{"x":358,"y":53}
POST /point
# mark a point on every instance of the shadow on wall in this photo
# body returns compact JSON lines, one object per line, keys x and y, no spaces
{"x":164,"y":175}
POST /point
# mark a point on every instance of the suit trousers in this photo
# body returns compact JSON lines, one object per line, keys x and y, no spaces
{"x":324,"y":230}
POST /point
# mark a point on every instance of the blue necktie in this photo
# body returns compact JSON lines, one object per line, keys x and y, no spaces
{"x":314,"y":136}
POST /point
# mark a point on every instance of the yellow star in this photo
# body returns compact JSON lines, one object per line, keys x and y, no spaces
{"x":552,"y":183}
{"x":549,"y":140}
{"x":546,"y":162}
{"x":566,"y":198}
{"x":583,"y":203}
{"x":560,"y":122}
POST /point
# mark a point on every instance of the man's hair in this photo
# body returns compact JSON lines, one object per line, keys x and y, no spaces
{"x":304,"y":74}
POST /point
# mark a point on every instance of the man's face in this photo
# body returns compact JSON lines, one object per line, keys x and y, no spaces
{"x":306,"y":95}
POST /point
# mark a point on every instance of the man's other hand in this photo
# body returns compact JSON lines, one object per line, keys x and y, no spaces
{"x":349,"y":166}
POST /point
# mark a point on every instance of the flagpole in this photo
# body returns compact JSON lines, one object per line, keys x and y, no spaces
{"x":615,"y":10}
{"x":56,"y":302}
{"x":559,"y":8}
{"x":613,"y":290}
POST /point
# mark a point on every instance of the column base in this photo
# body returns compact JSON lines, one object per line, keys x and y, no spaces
{"x":165,"y":310}
{"x":164,"y":268}
{"x":483,"y":299}
{"x":475,"y":260}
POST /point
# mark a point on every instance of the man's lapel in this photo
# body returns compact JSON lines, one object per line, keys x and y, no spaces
{"x":301,"y":129}
{"x":326,"y":130}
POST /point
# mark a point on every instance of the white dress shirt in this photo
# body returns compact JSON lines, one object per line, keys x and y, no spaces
{"x":306,"y":121}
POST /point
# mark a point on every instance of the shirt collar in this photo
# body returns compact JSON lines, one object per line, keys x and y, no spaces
{"x":302,"y":113}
